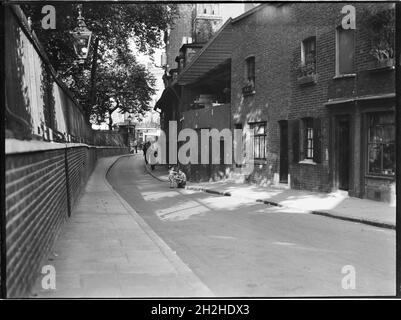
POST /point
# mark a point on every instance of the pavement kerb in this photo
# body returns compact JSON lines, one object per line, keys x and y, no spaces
{"x":153,"y":175}
{"x":272,"y":203}
{"x":316,"y":212}
{"x":171,"y":255}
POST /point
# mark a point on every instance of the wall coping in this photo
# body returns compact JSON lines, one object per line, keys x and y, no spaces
{"x":14,"y":146}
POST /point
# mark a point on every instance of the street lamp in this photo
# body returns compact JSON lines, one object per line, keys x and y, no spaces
{"x":81,"y":37}
{"x":129,"y":118}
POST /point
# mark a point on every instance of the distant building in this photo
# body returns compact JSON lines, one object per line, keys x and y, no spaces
{"x":194,"y":27}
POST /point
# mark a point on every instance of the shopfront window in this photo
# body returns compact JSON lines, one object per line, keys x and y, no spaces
{"x":381,"y":144}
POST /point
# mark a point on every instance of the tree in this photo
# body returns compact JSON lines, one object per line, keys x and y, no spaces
{"x":123,"y":85}
{"x":115,"y":26}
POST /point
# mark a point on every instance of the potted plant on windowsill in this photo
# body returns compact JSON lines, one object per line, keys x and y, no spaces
{"x":379,"y":23}
{"x":384,"y":58}
{"x":307,"y":71}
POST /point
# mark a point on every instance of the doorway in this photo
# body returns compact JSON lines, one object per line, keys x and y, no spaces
{"x":283,"y":151}
{"x":344,"y":152}
{"x":238,"y":126}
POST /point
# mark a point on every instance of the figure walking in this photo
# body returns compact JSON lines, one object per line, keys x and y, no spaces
{"x":145,"y":149}
{"x":136,"y":146}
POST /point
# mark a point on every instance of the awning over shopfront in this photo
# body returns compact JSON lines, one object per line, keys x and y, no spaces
{"x":215,"y":52}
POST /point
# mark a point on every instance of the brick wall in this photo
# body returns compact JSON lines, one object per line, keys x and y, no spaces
{"x":36,"y":204}
{"x":320,"y":20}
{"x":262,"y":35}
{"x":217,"y":117}
{"x":43,"y":180}
{"x":108,"y":138}
{"x":39,"y":197}
{"x":273,"y":35}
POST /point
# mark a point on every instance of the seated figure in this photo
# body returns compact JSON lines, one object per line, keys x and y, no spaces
{"x":177,"y":178}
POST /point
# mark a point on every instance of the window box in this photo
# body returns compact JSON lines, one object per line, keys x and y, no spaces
{"x":248,"y":90}
{"x":345,"y":76}
{"x":382,"y":64}
{"x":307,"y":79}
{"x":307,"y":72}
{"x":308,"y":161}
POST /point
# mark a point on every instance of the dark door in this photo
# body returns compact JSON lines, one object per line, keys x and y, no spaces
{"x":239,"y":127}
{"x":284,"y":151}
{"x":343,"y":154}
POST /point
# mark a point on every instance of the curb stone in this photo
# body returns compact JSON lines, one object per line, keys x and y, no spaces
{"x":315,"y":212}
{"x":276,"y":204}
{"x":153,"y":175}
{"x":191,"y":278}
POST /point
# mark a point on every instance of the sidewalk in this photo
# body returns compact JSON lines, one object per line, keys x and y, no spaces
{"x":336,"y":205}
{"x":107,"y":250}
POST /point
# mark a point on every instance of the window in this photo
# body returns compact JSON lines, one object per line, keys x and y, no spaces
{"x":308,"y":138}
{"x":208,"y":9}
{"x":344,"y":51}
{"x":249,"y":88}
{"x":381,"y":144}
{"x":308,"y":52}
{"x":258,"y":136}
{"x":215,"y":9}
{"x":250,"y":70}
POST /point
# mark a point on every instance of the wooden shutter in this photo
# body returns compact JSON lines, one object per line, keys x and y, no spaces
{"x":295,"y":140}
{"x":317,"y":140}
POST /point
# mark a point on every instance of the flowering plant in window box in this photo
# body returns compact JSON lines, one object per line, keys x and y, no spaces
{"x":249,"y":88}
{"x":307,"y":73}
{"x":384,"y":58}
{"x":307,"y":70}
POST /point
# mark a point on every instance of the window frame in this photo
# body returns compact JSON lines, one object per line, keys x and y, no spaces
{"x":247,"y":69}
{"x":337,"y":44}
{"x":381,"y":144}
{"x":303,"y":52}
{"x":252,"y":126}
{"x":308,"y":138}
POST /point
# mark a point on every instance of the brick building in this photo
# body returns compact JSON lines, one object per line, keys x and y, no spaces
{"x":320,"y":105}
{"x":317,"y":100}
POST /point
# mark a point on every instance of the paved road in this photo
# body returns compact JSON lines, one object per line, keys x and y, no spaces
{"x":240,"y":248}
